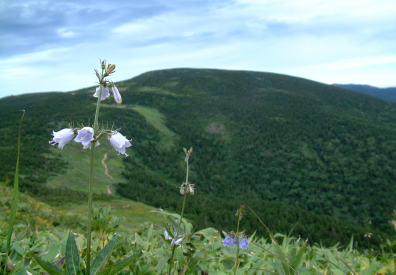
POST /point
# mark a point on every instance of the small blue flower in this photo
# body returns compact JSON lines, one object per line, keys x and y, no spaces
{"x":244,"y":243}
{"x":228,"y":241}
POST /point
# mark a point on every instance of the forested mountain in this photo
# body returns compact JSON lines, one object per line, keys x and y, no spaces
{"x":383,"y":93}
{"x":310,"y":158}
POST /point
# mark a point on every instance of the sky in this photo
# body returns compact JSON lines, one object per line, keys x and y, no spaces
{"x":55,"y":45}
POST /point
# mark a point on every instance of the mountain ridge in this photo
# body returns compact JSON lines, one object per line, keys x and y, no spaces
{"x":259,"y":138}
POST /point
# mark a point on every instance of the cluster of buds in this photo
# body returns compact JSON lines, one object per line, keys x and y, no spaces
{"x":187,"y":188}
{"x":240,"y":213}
{"x":103,"y":90}
{"x":187,"y":153}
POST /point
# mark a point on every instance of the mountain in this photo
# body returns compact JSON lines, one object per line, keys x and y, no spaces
{"x":383,"y":93}
{"x":309,"y":158}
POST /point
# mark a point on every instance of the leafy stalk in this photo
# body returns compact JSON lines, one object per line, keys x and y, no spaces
{"x":237,"y":236}
{"x":188,"y":153}
{"x":90,"y":182}
{"x":15,"y":195}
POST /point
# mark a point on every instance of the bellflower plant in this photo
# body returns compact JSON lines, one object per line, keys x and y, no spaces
{"x":89,"y":137}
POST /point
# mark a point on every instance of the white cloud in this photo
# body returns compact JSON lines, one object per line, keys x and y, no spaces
{"x":330,"y":41}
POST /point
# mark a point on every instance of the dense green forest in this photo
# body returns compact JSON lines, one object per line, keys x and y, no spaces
{"x":383,"y":93}
{"x":309,"y":158}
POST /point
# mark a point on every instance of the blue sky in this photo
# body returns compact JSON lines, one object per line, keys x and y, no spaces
{"x":55,"y":45}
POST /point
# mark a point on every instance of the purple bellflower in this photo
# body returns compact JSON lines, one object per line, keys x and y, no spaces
{"x":244,"y":243}
{"x":119,"y":142}
{"x":105,"y":93}
{"x":116,"y":95}
{"x":62,"y":137}
{"x":85,"y":136}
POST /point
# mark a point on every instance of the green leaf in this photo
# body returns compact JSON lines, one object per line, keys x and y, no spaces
{"x":103,"y":255}
{"x":72,"y":256}
{"x":50,"y":268}
{"x":117,"y":267}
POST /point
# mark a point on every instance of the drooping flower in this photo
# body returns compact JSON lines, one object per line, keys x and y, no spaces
{"x":167,"y":236}
{"x":62,"y":137}
{"x":116,"y":94}
{"x":105,"y":93}
{"x":174,"y":241}
{"x":244,"y":243}
{"x":85,"y":136}
{"x":119,"y":142}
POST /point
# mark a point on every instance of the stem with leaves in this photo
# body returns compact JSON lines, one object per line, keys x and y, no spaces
{"x":186,"y":191}
{"x":15,"y":195}
{"x":90,"y":182}
{"x":240,"y":215}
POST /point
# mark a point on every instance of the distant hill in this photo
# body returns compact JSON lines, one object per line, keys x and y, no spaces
{"x":383,"y":93}
{"x":310,"y":158}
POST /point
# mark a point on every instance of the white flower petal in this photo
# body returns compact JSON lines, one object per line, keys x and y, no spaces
{"x":116,"y":94}
{"x":119,"y":142}
{"x":105,"y":93}
{"x":62,"y":137}
{"x":85,"y":136}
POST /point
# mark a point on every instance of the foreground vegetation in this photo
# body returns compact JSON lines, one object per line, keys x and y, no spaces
{"x":148,"y":251}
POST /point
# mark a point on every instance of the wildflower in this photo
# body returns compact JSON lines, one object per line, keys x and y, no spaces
{"x":116,"y":94}
{"x":244,"y":243}
{"x":105,"y":93}
{"x":62,"y":137}
{"x":85,"y":136}
{"x":228,"y":241}
{"x":119,"y":142}
{"x":187,"y":189}
{"x":167,"y":236}
{"x":174,"y":241}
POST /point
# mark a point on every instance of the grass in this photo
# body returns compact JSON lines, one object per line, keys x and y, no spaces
{"x":76,"y":174}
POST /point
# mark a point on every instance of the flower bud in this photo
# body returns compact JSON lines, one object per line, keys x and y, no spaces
{"x":110,"y":69}
{"x":116,"y":94}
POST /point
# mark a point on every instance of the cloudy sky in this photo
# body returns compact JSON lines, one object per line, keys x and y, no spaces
{"x":53,"y":45}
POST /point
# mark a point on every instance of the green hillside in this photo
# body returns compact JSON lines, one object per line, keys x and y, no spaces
{"x":310,"y":158}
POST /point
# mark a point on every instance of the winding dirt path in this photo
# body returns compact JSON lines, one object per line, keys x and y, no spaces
{"x":106,"y":171}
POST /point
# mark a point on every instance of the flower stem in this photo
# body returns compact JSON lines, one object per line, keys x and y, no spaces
{"x":15,"y":195}
{"x":237,"y":251}
{"x":185,"y":194}
{"x":96,"y":123}
{"x":180,"y":220}
{"x":90,"y":182}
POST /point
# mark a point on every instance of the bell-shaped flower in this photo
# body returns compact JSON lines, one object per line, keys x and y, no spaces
{"x":119,"y":142}
{"x":228,"y":241}
{"x":62,"y":137}
{"x":105,"y":93}
{"x":174,"y":241}
{"x":244,"y":243}
{"x":116,"y":94}
{"x":85,"y":136}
